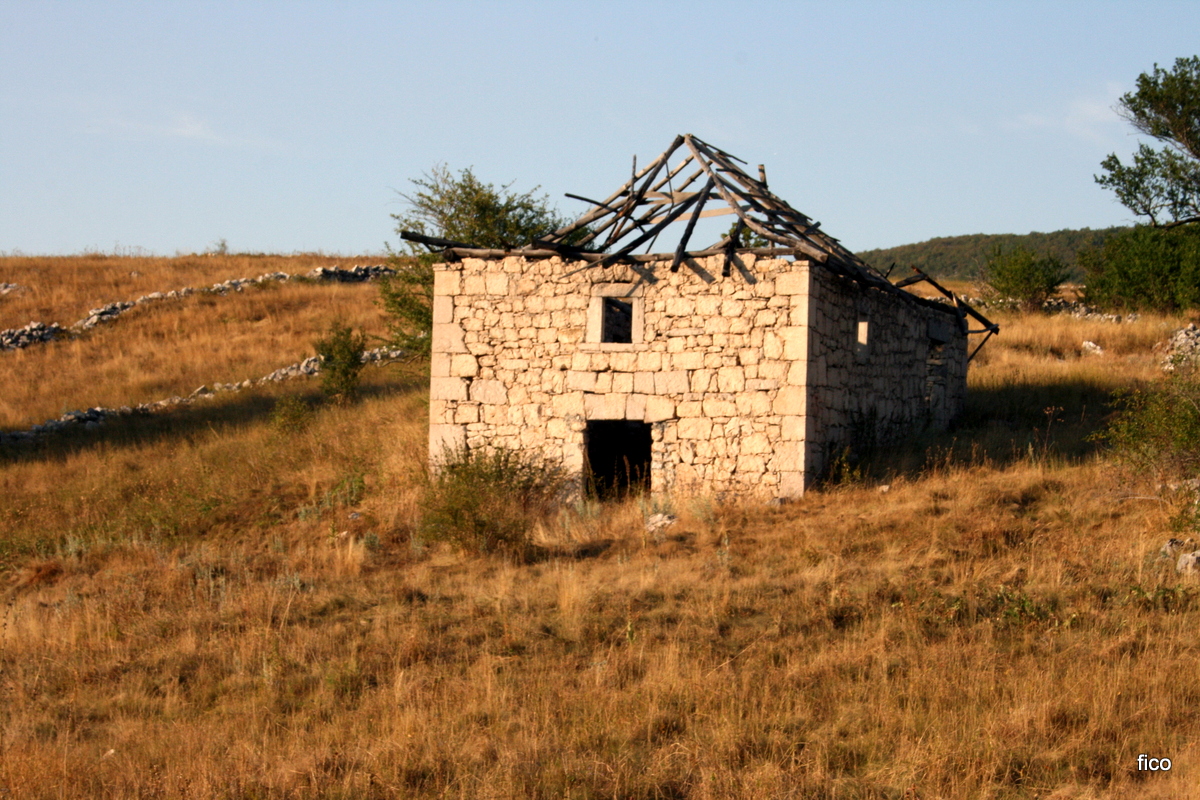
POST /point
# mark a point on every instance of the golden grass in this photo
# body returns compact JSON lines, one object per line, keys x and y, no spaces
{"x":63,"y":289}
{"x":191,"y":611}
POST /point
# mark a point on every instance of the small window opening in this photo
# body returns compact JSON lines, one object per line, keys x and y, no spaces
{"x":616,"y":324}
{"x":618,"y":458}
{"x":936,"y":370}
{"x":861,"y":347}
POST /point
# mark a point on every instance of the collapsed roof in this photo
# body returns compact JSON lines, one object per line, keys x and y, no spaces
{"x":666,"y":191}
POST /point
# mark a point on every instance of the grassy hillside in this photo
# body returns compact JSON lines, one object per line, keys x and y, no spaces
{"x":221,"y":602}
{"x":964,"y":256}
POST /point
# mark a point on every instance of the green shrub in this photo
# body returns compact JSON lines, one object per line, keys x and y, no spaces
{"x":407,"y":300}
{"x":290,"y":415}
{"x":1022,"y":276}
{"x":341,"y":352}
{"x":1146,"y":268}
{"x":487,"y":502}
{"x":1156,"y":429}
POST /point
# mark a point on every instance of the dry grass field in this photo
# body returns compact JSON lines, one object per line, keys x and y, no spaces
{"x":220,"y":602}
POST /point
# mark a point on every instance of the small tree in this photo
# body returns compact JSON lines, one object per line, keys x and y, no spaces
{"x":463,"y":209}
{"x":341,"y":352}
{"x":1022,"y":276}
{"x":1162,"y":185}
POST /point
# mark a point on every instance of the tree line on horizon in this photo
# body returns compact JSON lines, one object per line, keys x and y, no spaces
{"x":966,"y":257}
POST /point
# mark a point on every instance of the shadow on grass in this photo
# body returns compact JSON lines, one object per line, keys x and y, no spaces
{"x":226,"y":412}
{"x":1002,"y":425}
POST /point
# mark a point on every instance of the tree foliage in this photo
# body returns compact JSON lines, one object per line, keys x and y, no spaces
{"x":964,"y":257}
{"x":460,"y":208}
{"x":464,"y":209}
{"x":1023,"y":276}
{"x":1146,"y":268}
{"x":341,"y":352}
{"x":1162,"y":185}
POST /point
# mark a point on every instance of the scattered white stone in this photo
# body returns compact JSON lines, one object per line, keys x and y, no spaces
{"x":1174,"y":547}
{"x":1091,"y":349}
{"x":658,"y":522}
{"x":1188,"y":564}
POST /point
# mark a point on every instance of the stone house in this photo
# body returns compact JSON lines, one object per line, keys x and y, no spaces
{"x":730,"y":368}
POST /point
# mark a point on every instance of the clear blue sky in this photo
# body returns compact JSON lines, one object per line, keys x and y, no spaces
{"x":284,"y":127}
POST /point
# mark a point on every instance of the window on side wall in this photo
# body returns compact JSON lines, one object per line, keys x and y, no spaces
{"x":615,"y":315}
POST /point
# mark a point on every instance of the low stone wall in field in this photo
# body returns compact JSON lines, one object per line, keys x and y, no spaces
{"x":94,"y":417}
{"x":38,"y":332}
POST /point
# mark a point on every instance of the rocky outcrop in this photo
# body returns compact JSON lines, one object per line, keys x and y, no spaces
{"x":33,"y":333}
{"x":38,"y":332}
{"x":94,"y":417}
{"x":1182,"y":349}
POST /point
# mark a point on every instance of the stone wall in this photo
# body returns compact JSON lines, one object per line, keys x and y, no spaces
{"x":718,"y":366}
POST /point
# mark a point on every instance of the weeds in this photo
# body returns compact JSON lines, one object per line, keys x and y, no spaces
{"x":341,"y":352}
{"x":489,"y":501}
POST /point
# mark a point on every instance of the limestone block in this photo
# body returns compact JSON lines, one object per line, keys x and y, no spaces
{"x":489,"y":392}
{"x":567,"y":404}
{"x":790,"y":401}
{"x":605,"y":406}
{"x":755,"y":444}
{"x":581,"y":381}
{"x":789,"y":457}
{"x":643,"y":382}
{"x":695,"y":428}
{"x":797,"y":374}
{"x":447,"y":389}
{"x":622,"y":381}
{"x":474,"y":284}
{"x":581,"y":362}
{"x":443,"y":308}
{"x":604,"y":381}
{"x":689,"y":360}
{"x":547,"y":335}
{"x":447,"y":282}
{"x":466,"y":412}
{"x":439,"y":365}
{"x":635,"y":407}
{"x":673,"y":382}
{"x":753,"y":404}
{"x":717,"y":407}
{"x":775,"y":370}
{"x":444,"y":440}
{"x":622,"y":362}
{"x":752,"y":464}
{"x":496,"y":284}
{"x":658,"y":409}
{"x":702,"y":380}
{"x":792,"y":283}
{"x":731,"y":379}
{"x":649,"y":362}
{"x":714,"y":325}
{"x":680,"y":307}
{"x":448,"y":338}
{"x":464,"y":366}
{"x":795,"y":342}
{"x":599,"y":362}
{"x":791,"y":484}
{"x":690,"y":408}
{"x":772,"y":345}
{"x":677,"y":345}
{"x":556,"y":428}
{"x":494,"y":416}
{"x":749,"y":356}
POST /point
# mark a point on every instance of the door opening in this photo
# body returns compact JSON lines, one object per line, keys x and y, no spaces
{"x":618,"y":458}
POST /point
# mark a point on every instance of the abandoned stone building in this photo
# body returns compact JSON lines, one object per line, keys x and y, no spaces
{"x":743,"y":366}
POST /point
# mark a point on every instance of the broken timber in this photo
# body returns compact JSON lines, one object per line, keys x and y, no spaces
{"x":641,"y":209}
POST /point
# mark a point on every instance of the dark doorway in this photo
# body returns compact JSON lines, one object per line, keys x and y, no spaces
{"x":618,"y":458}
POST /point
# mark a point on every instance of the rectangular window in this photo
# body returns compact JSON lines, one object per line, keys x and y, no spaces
{"x":862,"y":345}
{"x":616,"y":325}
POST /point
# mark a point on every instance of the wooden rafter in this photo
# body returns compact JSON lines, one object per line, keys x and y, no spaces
{"x":641,"y":210}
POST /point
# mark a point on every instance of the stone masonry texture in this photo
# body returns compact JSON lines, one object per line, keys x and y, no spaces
{"x":751,"y":383}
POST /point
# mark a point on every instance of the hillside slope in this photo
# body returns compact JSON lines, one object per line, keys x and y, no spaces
{"x":964,"y":256}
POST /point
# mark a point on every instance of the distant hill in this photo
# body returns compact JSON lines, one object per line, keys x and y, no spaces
{"x":964,"y":256}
